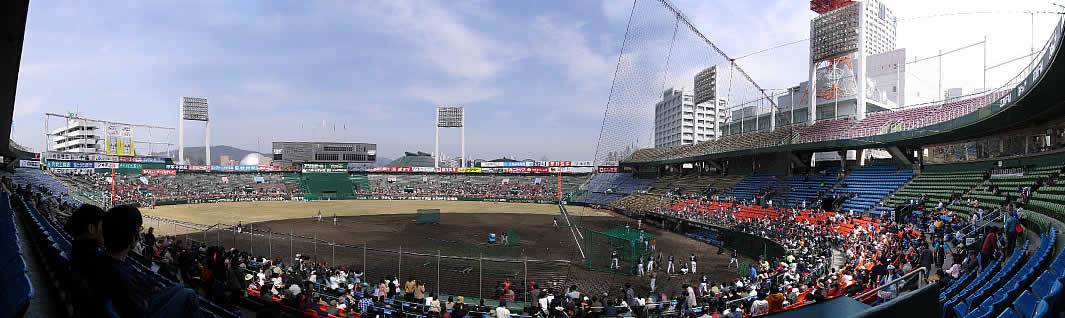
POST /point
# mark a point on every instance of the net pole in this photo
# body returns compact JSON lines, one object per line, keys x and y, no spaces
{"x":334,"y":246}
{"x":525,"y":262}
{"x":399,"y":273}
{"x":364,"y":271}
{"x":251,"y":239}
{"x":437,"y":273}
{"x":480,"y":275}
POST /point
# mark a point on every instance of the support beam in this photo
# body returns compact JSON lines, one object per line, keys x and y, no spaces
{"x":899,"y":156}
{"x":796,"y":160}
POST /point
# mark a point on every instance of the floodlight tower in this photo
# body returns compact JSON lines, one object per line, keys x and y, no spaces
{"x":194,"y":108}
{"x":450,"y":117}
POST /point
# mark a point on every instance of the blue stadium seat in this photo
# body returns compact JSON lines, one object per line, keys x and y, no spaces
{"x":1025,"y":304}
{"x":985,"y":274}
{"x":1044,"y":284}
{"x":974,"y":299}
{"x":1041,"y":310}
{"x":1009,"y":313}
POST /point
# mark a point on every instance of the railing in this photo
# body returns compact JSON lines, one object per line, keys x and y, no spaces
{"x":922,"y":272}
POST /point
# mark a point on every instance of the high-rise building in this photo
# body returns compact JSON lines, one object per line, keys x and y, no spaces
{"x":679,"y":120}
{"x":78,"y":135}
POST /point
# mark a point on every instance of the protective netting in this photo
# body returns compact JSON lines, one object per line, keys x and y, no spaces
{"x":620,"y":250}
{"x":663,"y":51}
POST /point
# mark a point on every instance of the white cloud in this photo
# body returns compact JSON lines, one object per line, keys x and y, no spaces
{"x":617,"y":11}
{"x":439,"y":37}
{"x":565,"y":44}
{"x":456,"y":93}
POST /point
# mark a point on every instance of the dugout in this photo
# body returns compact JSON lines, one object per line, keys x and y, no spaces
{"x":629,"y":243}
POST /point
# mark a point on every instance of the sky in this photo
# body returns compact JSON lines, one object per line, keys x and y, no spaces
{"x":534,"y":76}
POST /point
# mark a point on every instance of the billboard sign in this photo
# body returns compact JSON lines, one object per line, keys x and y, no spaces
{"x":29,"y":164}
{"x":158,"y":172}
{"x":326,"y":168}
{"x":269,"y":168}
{"x":119,"y":140}
{"x":130,"y":165}
{"x":608,"y":169}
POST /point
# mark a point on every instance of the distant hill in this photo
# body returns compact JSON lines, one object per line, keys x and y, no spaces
{"x":195,"y":154}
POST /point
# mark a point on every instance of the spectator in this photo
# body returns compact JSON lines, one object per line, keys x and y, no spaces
{"x":987,"y":251}
{"x":776,"y":302}
{"x":124,"y":286}
{"x":502,"y":311}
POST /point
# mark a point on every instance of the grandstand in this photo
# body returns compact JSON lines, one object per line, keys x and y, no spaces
{"x":605,"y":188}
{"x":870,"y":184}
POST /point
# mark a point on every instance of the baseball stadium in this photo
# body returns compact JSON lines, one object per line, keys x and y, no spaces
{"x":894,"y":178}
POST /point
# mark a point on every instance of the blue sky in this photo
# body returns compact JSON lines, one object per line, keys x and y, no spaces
{"x":534,"y":76}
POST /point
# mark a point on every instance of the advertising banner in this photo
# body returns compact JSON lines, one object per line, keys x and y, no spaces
{"x":59,"y":164}
{"x":326,"y":168}
{"x":252,"y":168}
{"x":488,"y":164}
{"x":554,"y":169}
{"x":71,"y":170}
{"x":105,"y":165}
{"x":130,"y":165}
{"x":472,"y":170}
{"x":582,"y":164}
{"x":527,"y":170}
{"x":221,"y":168}
{"x":199,"y":168}
{"x":559,"y":163}
{"x":578,"y":170}
{"x":119,"y":140}
{"x":129,"y":159}
{"x":422,"y":169}
{"x":154,"y":160}
{"x":81,"y":164}
{"x":608,"y":169}
{"x":492,"y":170}
{"x":445,"y":169}
{"x":177,"y":167}
{"x":611,"y":163}
{"x":269,"y":168}
{"x":29,"y":164}
{"x":158,"y":172}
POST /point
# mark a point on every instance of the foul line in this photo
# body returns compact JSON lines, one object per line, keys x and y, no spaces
{"x":571,"y":231}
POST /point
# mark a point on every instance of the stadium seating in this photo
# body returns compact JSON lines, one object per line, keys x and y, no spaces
{"x":750,"y":187}
{"x":826,"y":130}
{"x":936,"y":187}
{"x":54,"y":249}
{"x":1028,"y":284}
{"x":871,"y":184}
{"x":889,"y":121}
{"x":605,"y":188}
{"x":793,"y":190}
{"x":18,"y":291}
